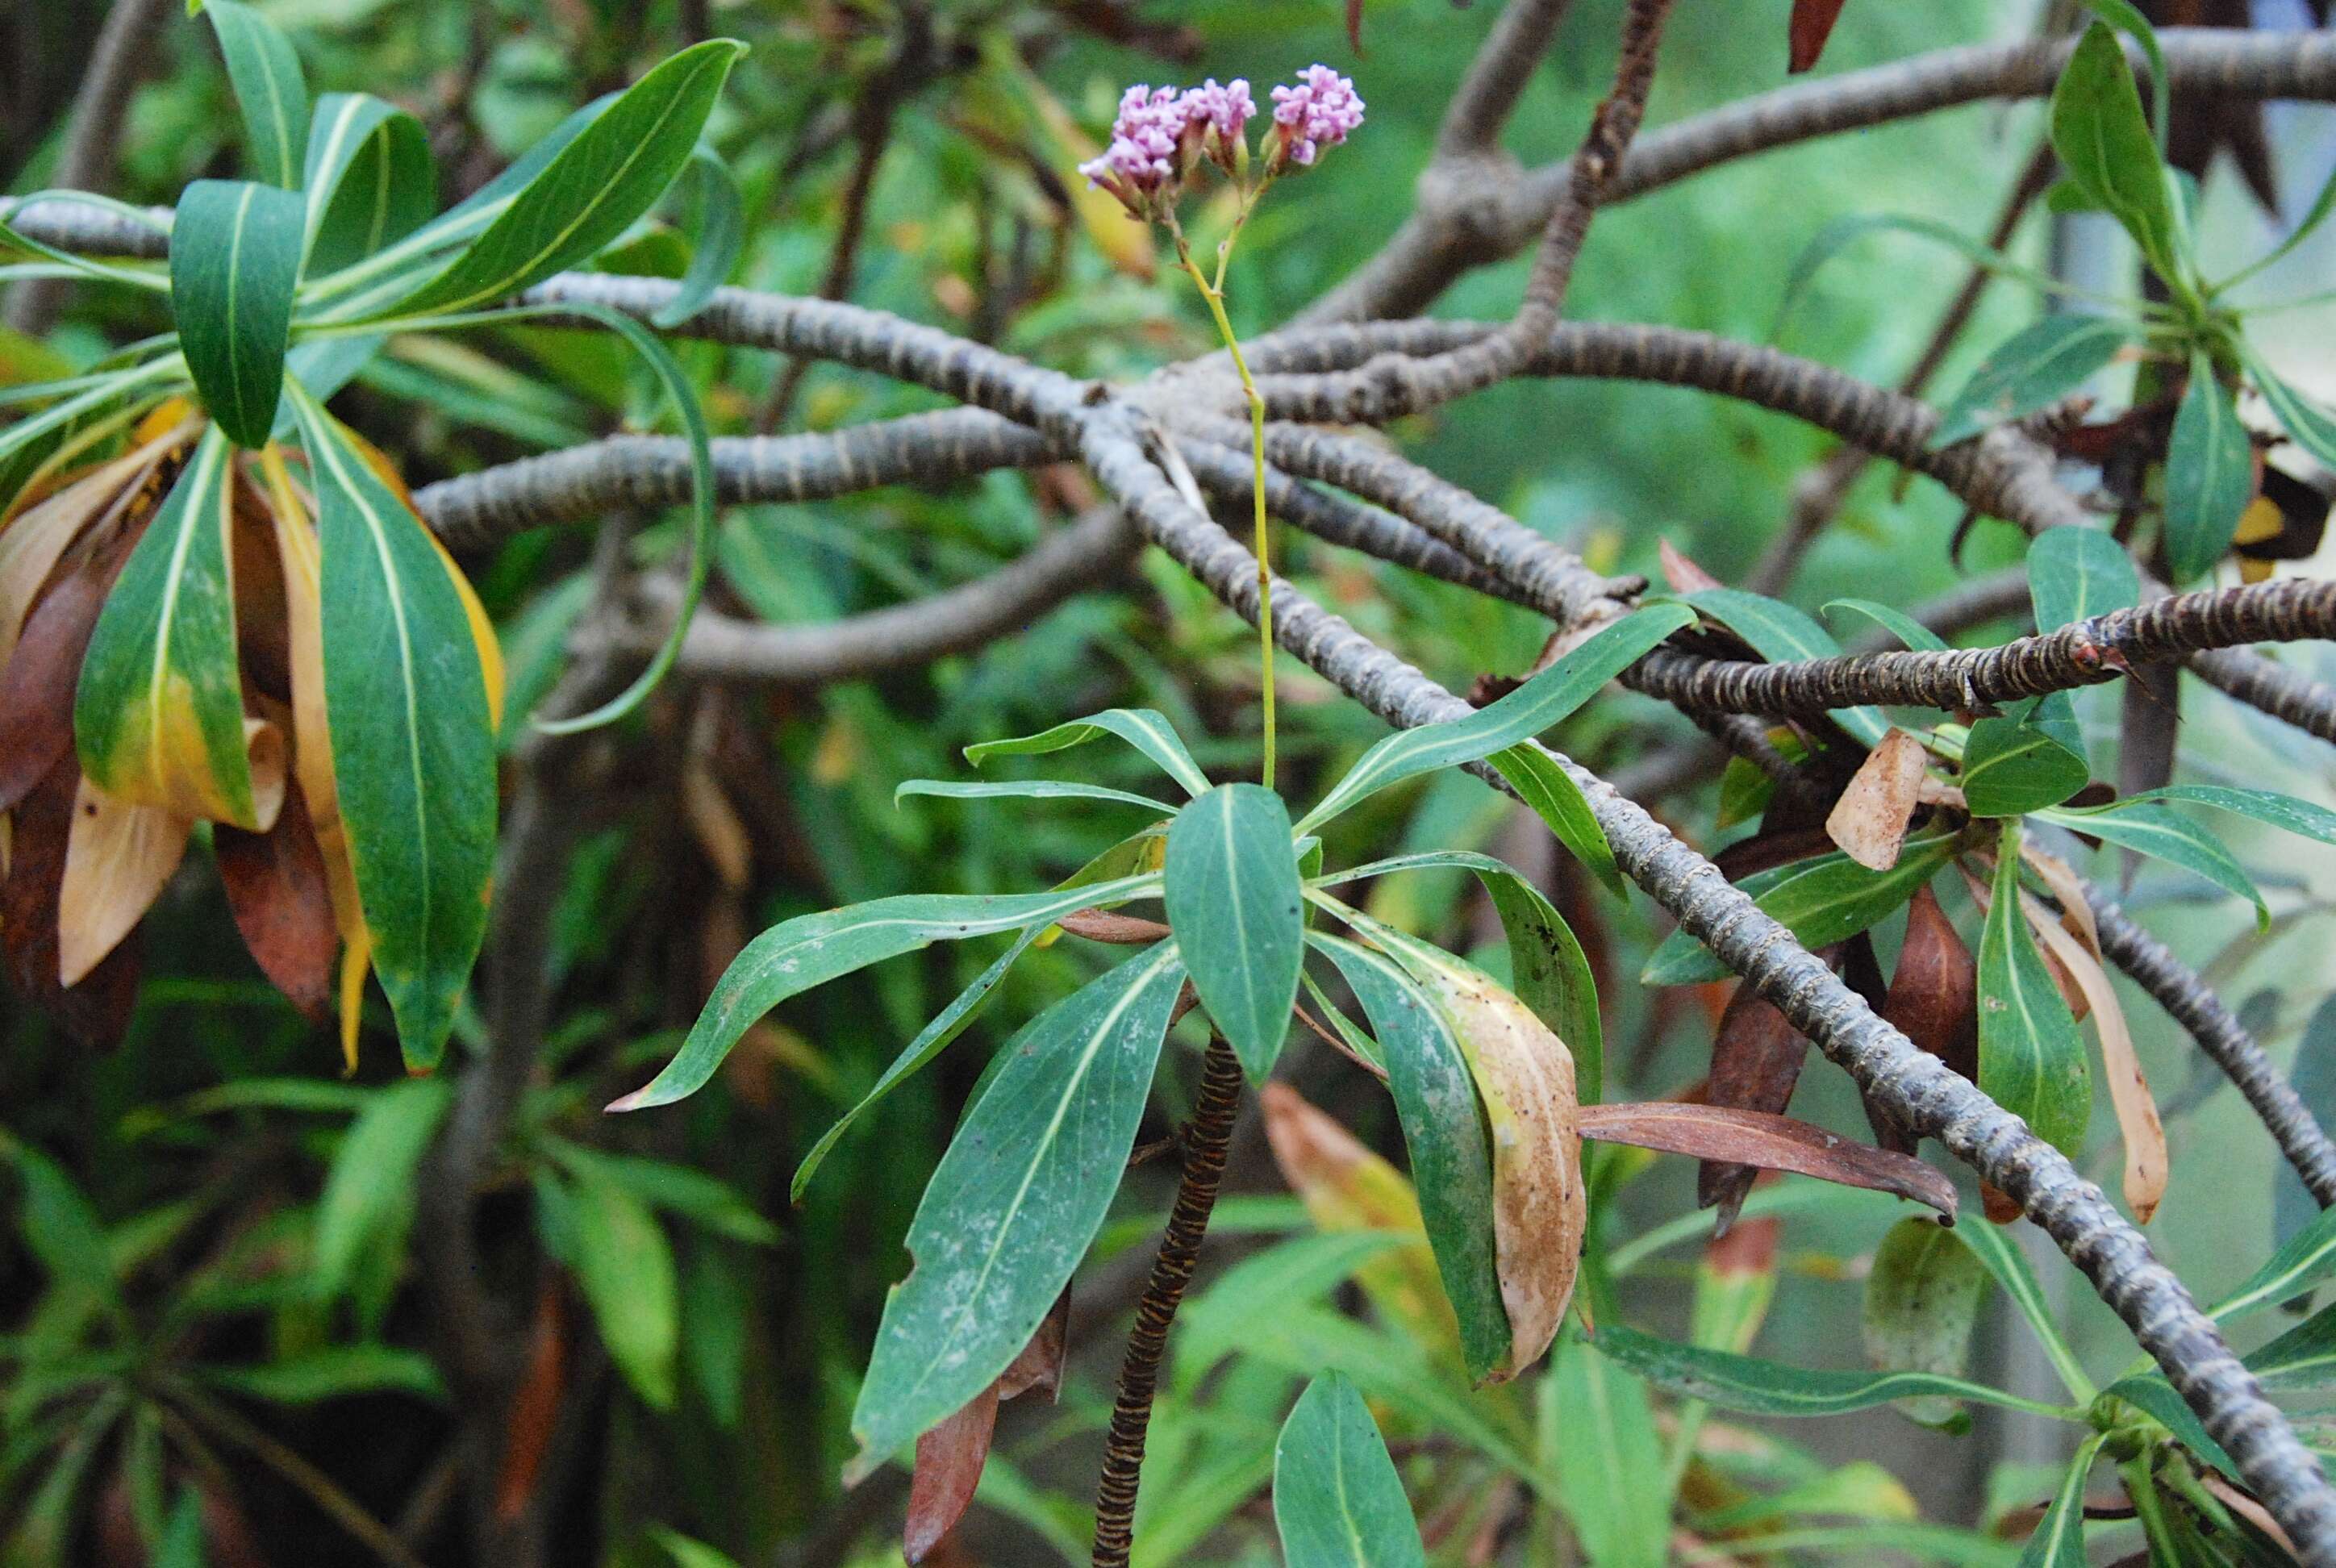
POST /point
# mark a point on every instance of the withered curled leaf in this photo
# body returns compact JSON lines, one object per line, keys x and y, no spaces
{"x":1771,"y":1143}
{"x":950,"y":1457}
{"x":1869,"y":821}
{"x":1756,"y":1061}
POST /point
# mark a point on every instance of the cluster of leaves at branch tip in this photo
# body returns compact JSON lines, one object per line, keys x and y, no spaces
{"x":283,"y":286}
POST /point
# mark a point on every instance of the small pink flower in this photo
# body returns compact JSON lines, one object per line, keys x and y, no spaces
{"x":1313,"y":116}
{"x":1147,"y":157}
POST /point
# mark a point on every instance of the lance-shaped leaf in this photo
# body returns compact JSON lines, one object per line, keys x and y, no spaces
{"x":1934,"y":1001}
{"x":368,"y":1195}
{"x":2075,"y":573}
{"x":413,"y":734}
{"x":280,"y":895}
{"x":2031,"y":1059}
{"x":1338,"y":1502}
{"x":1140,"y":727}
{"x":1027,"y":789}
{"x":2024,"y":760}
{"x":159,"y":716}
{"x":951,"y":1456}
{"x":1606,"y":1452}
{"x":2153,"y":1395}
{"x":1524,"y":1077}
{"x":2304,"y":1358}
{"x":2104,"y":142}
{"x":1921,"y":1301}
{"x":268,"y":86}
{"x":1524,"y":714}
{"x":2272,"y":810}
{"x":1771,"y":1143}
{"x":1735,"y":1283}
{"x":1444,"y":1133}
{"x":1913,"y":633}
{"x":619,"y":1255}
{"x":2306,"y":1259}
{"x":1757,"y":1387}
{"x":1235,"y":904}
{"x":2210,"y":475}
{"x":2000,"y":1255}
{"x":235,"y":261}
{"x":1823,"y":900}
{"x":1017,"y":1199}
{"x":119,"y":858}
{"x":809,"y":950}
{"x":1756,"y":1062}
{"x":1781,"y":633}
{"x":2153,"y":830}
{"x":2059,"y":1538}
{"x":2031,"y":370}
{"x":370,"y":179}
{"x":591,"y":191}
{"x":2311,"y":425}
{"x":1812,"y":24}
{"x":1544,"y":785}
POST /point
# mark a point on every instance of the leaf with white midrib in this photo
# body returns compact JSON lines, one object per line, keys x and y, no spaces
{"x":235,"y":265}
{"x":1338,"y":1502}
{"x":1235,"y":902}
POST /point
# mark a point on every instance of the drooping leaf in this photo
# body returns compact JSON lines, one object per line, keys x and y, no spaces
{"x":369,"y":1190}
{"x":1913,"y":633}
{"x":2077,"y":573}
{"x":1756,"y":1062}
{"x":1921,"y":1301}
{"x":159,"y":718}
{"x":270,"y":88}
{"x":591,"y":190}
{"x":2274,"y":810}
{"x":2059,"y":1538}
{"x":1823,"y":900}
{"x":369,"y":182}
{"x":1517,"y":718}
{"x":1338,"y":1502}
{"x":1781,"y":633}
{"x":2031,"y":1059}
{"x":2031,"y":370}
{"x":410,"y":709}
{"x":1812,"y":24}
{"x":97,"y":1011}
{"x":1842,"y":232}
{"x":2306,"y":1259}
{"x":2105,"y":145}
{"x":1235,"y":904}
{"x":1773,"y":1143}
{"x":117,"y":862}
{"x":1444,"y":1133}
{"x":2153,"y":829}
{"x":1015,"y":1201}
{"x":2210,"y":475}
{"x":235,"y":261}
{"x":1559,"y":801}
{"x":1869,"y":819}
{"x":1029,"y":789}
{"x":2023,"y":760}
{"x":1140,"y":727}
{"x":1757,"y":1388}
{"x":951,"y":1458}
{"x":278,"y":891}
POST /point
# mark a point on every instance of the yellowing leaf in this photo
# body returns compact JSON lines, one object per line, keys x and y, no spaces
{"x":118,"y":856}
{"x":32,"y":541}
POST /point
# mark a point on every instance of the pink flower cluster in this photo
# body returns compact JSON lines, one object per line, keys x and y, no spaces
{"x":1314,"y":116}
{"x":1162,"y":134}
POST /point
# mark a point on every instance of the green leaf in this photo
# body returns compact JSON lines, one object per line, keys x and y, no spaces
{"x":1034,"y":789}
{"x":2265,"y":806}
{"x":2322,"y":206}
{"x":1757,"y":1387}
{"x":1548,"y":969}
{"x":235,"y":261}
{"x":1444,"y":1133}
{"x":1525,"y":712}
{"x":370,"y":181}
{"x":158,"y":716}
{"x":182,"y":1546}
{"x":1909,"y":631}
{"x":1842,"y":232}
{"x":2034,"y":368}
{"x":1559,"y":801}
{"x":1823,"y":900}
{"x":2104,"y":142}
{"x":1338,"y":1502}
{"x":1238,"y":912}
{"x":2031,"y":1059}
{"x":704,"y":1200}
{"x":2075,"y":573}
{"x":335,"y":1372}
{"x":268,"y":87}
{"x":591,"y":190}
{"x":1780,"y":633}
{"x":1014,"y":1203}
{"x":809,"y":950}
{"x":1603,"y":1442}
{"x":721,"y":235}
{"x":2210,"y":475}
{"x":2155,"y":830}
{"x":1148,"y":731}
{"x":2312,"y":426}
{"x":2059,"y":1538}
{"x":2155,"y":1397}
{"x":1993,"y":1246}
{"x":2021,"y":762}
{"x":414,"y":747}
{"x":686,"y":1553}
{"x":1745,"y":792}
{"x":368,"y":1194}
{"x":1923,"y":1298}
{"x":2308,"y":1258}
{"x":620,"y":1257}
{"x":2304,"y":1358}
{"x":57,"y":1223}
{"x":2127,"y":17}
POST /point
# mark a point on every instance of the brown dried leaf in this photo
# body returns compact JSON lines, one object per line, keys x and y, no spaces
{"x":1682,"y":574}
{"x":1869,"y":821}
{"x":2146,"y":1158}
{"x":33,"y":542}
{"x":534,"y":1409}
{"x":278,"y":891}
{"x":1934,"y":1001}
{"x":1771,"y":1142}
{"x":97,"y":1011}
{"x":1813,"y":23}
{"x":949,"y":1460}
{"x":37,"y":688}
{"x":1756,"y":1060}
{"x":1525,"y":1075}
{"x":118,"y":856}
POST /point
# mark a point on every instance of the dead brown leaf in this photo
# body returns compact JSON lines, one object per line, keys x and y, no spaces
{"x":276,"y":890}
{"x":951,"y":1456}
{"x":1682,"y":575}
{"x":2146,"y":1157}
{"x":1770,"y":1142}
{"x":1756,"y":1061}
{"x":1812,"y":24}
{"x":1869,"y":821}
{"x":1934,"y":1001}
{"x":118,"y":856}
{"x":96,"y":1011}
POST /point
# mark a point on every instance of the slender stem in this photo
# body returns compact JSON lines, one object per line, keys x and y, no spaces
{"x":1214,"y":294}
{"x":1206,"y":1137}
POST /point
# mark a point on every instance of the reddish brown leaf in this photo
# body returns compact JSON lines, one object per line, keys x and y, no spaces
{"x":1105,"y":926}
{"x":1756,"y":1060}
{"x":1869,"y":821}
{"x":97,"y":1010}
{"x":1682,"y":574}
{"x":1813,"y":23}
{"x":535,"y":1403}
{"x":1999,"y":1206}
{"x":36,"y":687}
{"x":949,"y":1459}
{"x":1039,"y":1367}
{"x":276,"y":890}
{"x":1771,"y":1142}
{"x":1934,"y":1001}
